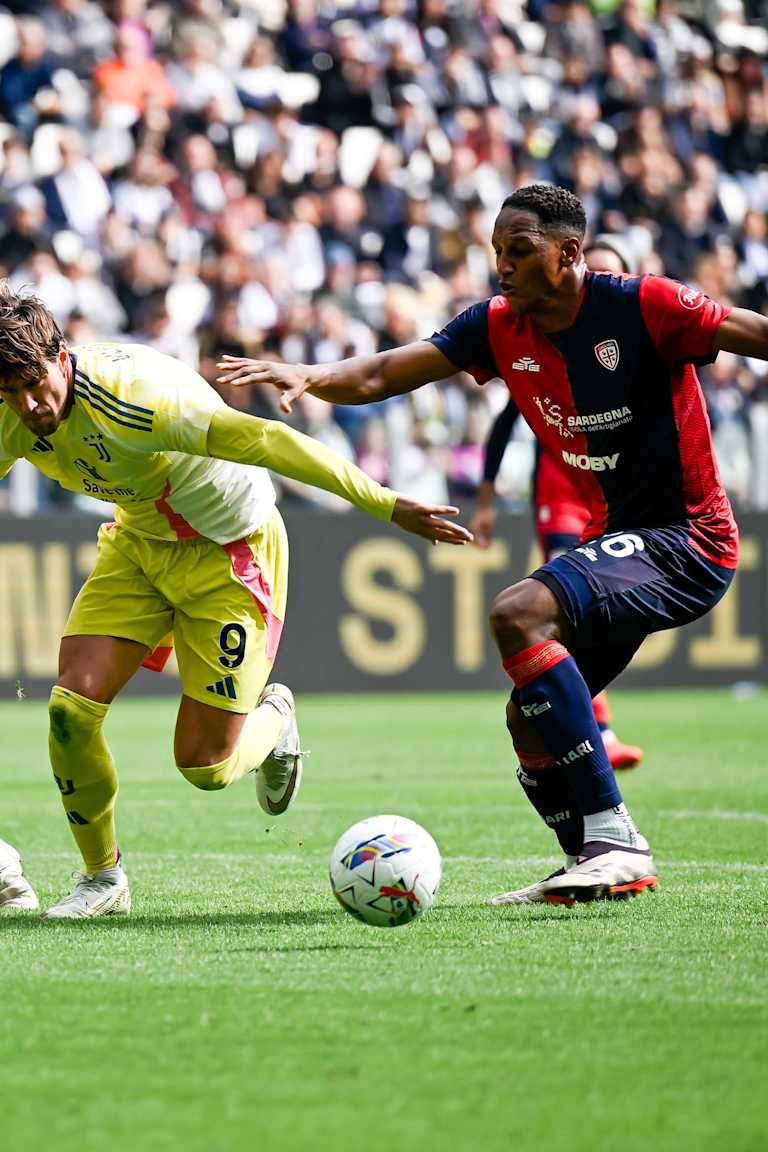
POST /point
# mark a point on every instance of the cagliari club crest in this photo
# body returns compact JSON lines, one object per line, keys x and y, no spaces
{"x":607,"y":352}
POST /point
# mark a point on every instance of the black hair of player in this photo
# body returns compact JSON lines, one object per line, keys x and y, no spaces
{"x":556,"y":209}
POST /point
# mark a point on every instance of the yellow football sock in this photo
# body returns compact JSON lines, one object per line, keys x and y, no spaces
{"x":85,"y":773}
{"x":258,"y":737}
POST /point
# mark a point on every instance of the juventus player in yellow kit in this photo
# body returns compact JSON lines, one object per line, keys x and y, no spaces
{"x":198,"y":550}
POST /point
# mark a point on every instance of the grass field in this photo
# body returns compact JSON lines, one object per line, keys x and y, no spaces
{"x":239,"y":1008}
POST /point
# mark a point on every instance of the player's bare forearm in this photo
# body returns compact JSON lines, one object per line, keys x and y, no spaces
{"x":483,"y":520}
{"x":486,"y":494}
{"x":743,"y":332}
{"x":358,"y":380}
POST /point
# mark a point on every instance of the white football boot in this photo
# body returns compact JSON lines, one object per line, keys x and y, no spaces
{"x":279,"y":777}
{"x":533,"y":894}
{"x":15,"y":890}
{"x":603,"y":871}
{"x":95,"y":894}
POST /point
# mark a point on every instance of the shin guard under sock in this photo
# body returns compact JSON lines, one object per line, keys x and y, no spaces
{"x":85,"y":774}
{"x":549,"y":790}
{"x":552,"y":694}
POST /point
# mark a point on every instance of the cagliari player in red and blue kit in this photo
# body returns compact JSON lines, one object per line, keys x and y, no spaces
{"x":603,"y":368}
{"x":560,"y":515}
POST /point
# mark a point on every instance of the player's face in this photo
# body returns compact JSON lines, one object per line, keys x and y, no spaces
{"x":42,"y":405}
{"x":531,"y":264}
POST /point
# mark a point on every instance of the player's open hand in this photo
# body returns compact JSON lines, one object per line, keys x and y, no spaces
{"x":482,"y":525}
{"x":428,"y":520}
{"x":291,"y":380}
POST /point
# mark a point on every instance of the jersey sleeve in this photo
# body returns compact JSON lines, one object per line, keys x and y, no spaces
{"x":247,"y":439}
{"x":681,"y":321}
{"x":464,"y":341}
{"x":181,"y":402}
{"x":498,"y":438}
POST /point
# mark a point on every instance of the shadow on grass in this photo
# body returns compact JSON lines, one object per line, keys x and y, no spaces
{"x":264,"y":918}
{"x":446,"y":917}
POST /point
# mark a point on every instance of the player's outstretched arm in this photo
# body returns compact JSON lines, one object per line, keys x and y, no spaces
{"x":245,"y":439}
{"x":743,"y":332}
{"x":359,"y":380}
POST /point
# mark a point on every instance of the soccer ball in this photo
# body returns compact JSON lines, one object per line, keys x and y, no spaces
{"x":385,"y":870}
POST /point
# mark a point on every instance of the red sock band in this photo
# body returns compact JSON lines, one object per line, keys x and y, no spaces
{"x":532,"y":662}
{"x":535,"y":761}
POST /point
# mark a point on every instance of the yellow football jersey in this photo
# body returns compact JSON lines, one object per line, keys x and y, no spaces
{"x":136,"y":436}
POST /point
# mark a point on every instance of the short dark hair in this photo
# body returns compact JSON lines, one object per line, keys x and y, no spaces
{"x":29,"y":336}
{"x":556,"y":209}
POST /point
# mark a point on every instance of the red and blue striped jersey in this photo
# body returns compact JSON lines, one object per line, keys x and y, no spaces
{"x":616,"y":397}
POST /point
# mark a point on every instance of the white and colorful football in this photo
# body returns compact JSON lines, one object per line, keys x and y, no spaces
{"x":385,"y":870}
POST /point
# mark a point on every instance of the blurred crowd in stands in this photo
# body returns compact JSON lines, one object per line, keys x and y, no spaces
{"x":308,"y":180}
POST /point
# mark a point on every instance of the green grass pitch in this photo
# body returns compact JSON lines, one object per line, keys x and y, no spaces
{"x":239,"y":1008}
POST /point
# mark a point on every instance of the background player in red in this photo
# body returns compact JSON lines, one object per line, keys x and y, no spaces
{"x":560,"y":515}
{"x":614,"y":393}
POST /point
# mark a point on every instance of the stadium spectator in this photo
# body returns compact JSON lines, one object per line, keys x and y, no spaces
{"x":76,"y":196}
{"x":132,"y":77}
{"x":27,"y":77}
{"x":80,"y":34}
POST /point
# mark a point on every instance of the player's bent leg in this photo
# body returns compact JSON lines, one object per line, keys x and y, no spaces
{"x":552,"y":694}
{"x":548,"y":789}
{"x":214,"y":747}
{"x":16,"y":892}
{"x":621,"y":755}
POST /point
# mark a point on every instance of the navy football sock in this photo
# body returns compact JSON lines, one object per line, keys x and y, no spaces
{"x":551,"y":794}
{"x":551,"y":693}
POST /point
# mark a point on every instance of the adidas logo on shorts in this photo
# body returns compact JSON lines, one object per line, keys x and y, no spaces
{"x":225,"y":687}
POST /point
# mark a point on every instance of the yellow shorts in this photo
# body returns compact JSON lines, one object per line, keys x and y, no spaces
{"x":224,"y":604}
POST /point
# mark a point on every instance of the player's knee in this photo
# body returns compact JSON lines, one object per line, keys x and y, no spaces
{"x":207,"y":768}
{"x":209,"y":778}
{"x":72,"y":717}
{"x":514,"y":618}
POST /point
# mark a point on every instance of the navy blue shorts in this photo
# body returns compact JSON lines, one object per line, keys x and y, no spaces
{"x":618,"y":588}
{"x":555,"y":543}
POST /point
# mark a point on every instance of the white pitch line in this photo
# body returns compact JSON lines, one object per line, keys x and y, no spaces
{"x":498,"y":861}
{"x":713,"y":814}
{"x":546,"y":861}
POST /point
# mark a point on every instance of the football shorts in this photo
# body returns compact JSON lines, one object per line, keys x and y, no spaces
{"x":224,"y":604}
{"x":618,"y":588}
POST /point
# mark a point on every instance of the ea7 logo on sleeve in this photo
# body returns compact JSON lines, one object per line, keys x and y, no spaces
{"x":690,"y":298}
{"x":607,"y":352}
{"x":526,"y":364}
